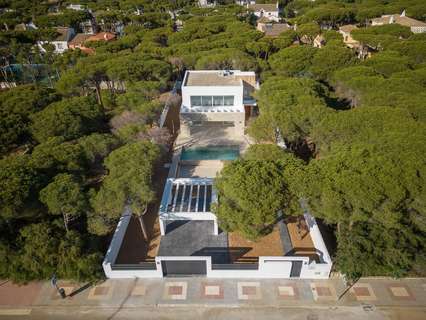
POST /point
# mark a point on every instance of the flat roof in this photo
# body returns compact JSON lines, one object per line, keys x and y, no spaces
{"x":212,"y":78}
{"x":219,"y":78}
{"x":194,"y":238}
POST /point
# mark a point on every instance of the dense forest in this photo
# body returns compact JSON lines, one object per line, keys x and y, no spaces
{"x":78,"y":148}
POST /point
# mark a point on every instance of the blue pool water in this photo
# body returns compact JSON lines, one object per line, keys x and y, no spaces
{"x":211,"y":153}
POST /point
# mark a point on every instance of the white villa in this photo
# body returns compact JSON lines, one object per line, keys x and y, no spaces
{"x":216,"y":98}
{"x":187,"y":239}
{"x":268,"y":10}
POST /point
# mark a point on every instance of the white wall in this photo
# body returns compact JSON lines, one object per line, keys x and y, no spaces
{"x":188,"y":91}
{"x":130,"y":274}
{"x":117,"y":239}
{"x":114,"y":248}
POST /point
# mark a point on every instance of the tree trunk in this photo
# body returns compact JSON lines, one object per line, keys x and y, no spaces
{"x":142,"y":223}
{"x":98,"y":93}
{"x":65,"y":221}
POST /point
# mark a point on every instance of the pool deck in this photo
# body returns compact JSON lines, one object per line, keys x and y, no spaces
{"x":214,"y":137}
{"x":199,"y":169}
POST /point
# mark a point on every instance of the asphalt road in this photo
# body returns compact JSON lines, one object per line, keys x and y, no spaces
{"x":244,"y":313}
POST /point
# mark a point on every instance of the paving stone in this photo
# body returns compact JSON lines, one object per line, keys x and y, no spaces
{"x":175,"y":290}
{"x":101,"y":292}
{"x":249,"y":291}
{"x":363,"y":292}
{"x":212,"y":290}
{"x":400,"y":292}
{"x":323,"y":291}
{"x":139,"y":290}
{"x":287,"y":291}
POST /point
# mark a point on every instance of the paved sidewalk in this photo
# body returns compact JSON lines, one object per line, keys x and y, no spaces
{"x":203,"y":292}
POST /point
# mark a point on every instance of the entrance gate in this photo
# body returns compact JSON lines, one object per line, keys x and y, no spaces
{"x":184,"y":267}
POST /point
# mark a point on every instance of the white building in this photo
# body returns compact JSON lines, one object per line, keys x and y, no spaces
{"x":76,"y":7}
{"x":268,"y":10}
{"x":220,"y":98}
{"x":245,"y":2}
{"x":415,"y":26}
{"x":61,"y":41}
{"x":207,"y":3}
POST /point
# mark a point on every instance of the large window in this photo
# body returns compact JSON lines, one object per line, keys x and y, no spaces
{"x":208,"y":101}
{"x":195,"y":101}
{"x":218,"y":100}
{"x":228,"y":100}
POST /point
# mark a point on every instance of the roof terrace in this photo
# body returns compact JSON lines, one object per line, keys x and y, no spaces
{"x":218,"y":78}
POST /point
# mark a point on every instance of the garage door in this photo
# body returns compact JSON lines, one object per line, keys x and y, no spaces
{"x":183,"y":268}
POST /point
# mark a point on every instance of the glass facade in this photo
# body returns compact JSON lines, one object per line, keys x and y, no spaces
{"x":209,"y":101}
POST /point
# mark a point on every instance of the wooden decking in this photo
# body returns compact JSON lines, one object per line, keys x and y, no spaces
{"x":246,"y":251}
{"x":134,"y":249}
{"x":300,"y":238}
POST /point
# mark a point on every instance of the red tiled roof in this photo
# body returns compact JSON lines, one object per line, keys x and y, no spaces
{"x":105,"y":36}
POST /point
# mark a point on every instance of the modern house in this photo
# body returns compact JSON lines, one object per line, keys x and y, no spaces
{"x":61,"y":41}
{"x":185,"y":237}
{"x":221,"y":99}
{"x":415,"y":26}
{"x":268,"y":10}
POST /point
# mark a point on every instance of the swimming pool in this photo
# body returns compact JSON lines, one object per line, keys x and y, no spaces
{"x":211,"y":153}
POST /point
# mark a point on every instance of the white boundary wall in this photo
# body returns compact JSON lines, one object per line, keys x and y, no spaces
{"x":268,"y":267}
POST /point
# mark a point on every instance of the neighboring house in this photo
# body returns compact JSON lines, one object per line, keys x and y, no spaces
{"x":245,"y":2}
{"x":362,"y":51}
{"x":319,"y":41}
{"x":216,"y":98}
{"x":65,"y":35}
{"x":25,"y":26}
{"x":206,"y":3}
{"x":114,"y":27}
{"x":81,"y":39}
{"x":89,"y":26}
{"x":270,"y":11}
{"x":271,"y":29}
{"x":77,"y":7}
{"x":53,"y":6}
{"x":178,"y":25}
{"x":415,"y":26}
{"x":345,"y":31}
